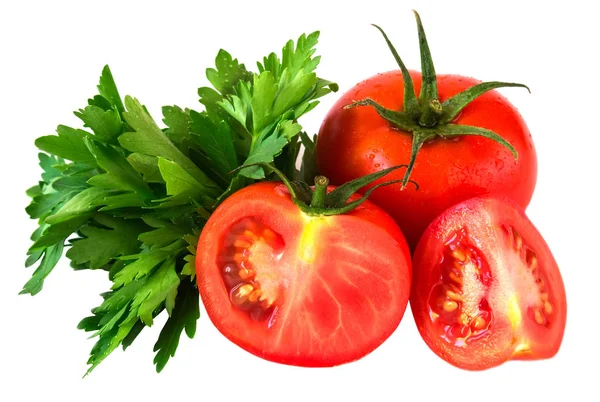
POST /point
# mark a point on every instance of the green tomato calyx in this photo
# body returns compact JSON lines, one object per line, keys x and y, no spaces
{"x":426,"y":117}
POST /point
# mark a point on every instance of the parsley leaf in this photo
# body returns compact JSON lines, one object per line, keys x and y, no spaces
{"x":106,"y":124}
{"x":120,"y":175}
{"x":177,"y":120}
{"x":104,"y":239}
{"x":184,"y":316}
{"x":181,"y":186}
{"x":68,"y":144}
{"x":148,"y":139}
{"x":227,"y":74}
{"x":147,"y":166}
{"x":108,"y":90}
{"x":215,"y":141}
{"x":51,"y":256}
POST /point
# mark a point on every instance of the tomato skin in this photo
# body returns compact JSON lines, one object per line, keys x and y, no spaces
{"x":323,"y":320}
{"x":356,"y":142}
{"x":509,"y":294}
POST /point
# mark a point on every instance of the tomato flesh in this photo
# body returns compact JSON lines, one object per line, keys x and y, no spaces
{"x":298,"y":289}
{"x":486,"y":287}
{"x":355,"y":142}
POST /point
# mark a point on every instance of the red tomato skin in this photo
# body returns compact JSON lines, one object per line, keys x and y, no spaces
{"x":287,"y":341}
{"x":482,"y":216}
{"x":356,"y":142}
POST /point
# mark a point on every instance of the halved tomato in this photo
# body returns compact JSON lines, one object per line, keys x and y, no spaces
{"x":486,"y":287}
{"x":300,"y":289}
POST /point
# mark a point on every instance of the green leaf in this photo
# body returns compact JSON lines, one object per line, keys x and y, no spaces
{"x":180,"y":185}
{"x":115,"y":300}
{"x":148,"y":139}
{"x":132,"y":335}
{"x":145,"y":262}
{"x":265,"y":91}
{"x":184,"y":317}
{"x":33,"y":258}
{"x":81,"y":204}
{"x":239,"y":107}
{"x":178,"y":121}
{"x":43,"y":205}
{"x":100,"y":245}
{"x":68,"y":144}
{"x":122,"y":175}
{"x":289,"y":128}
{"x":50,"y":235}
{"x":162,"y":236}
{"x":106,"y":124}
{"x":147,"y":166}
{"x":215,"y":141}
{"x":51,"y":256}
{"x":264,"y":152}
{"x":110,"y":341}
{"x":293,"y":92}
{"x":48,"y":163}
{"x":227,"y":74}
{"x":108,"y":89}
{"x":160,"y":288}
{"x":101,"y":102}
{"x":75,"y":182}
{"x":121,"y":201}
{"x":301,"y":57}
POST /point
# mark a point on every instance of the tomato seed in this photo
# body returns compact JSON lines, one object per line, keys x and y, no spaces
{"x":449,"y":306}
{"x":548,"y":307}
{"x":459,"y":254}
{"x":246,"y":273}
{"x":518,"y":240}
{"x":240,"y":243}
{"x":241,"y":293}
{"x":539,"y":318}
{"x":455,"y":277}
{"x":479,"y":323}
{"x":269,"y":235}
{"x":250,"y":234}
{"x":238,"y":258}
{"x":454,"y":296}
{"x":253,"y":297}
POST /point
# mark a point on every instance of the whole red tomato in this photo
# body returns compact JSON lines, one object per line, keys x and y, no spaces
{"x":298,"y":288}
{"x":461,"y":138}
{"x":486,"y":287}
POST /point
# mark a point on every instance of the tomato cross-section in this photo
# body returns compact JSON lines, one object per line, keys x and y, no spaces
{"x":300,"y":289}
{"x":486,"y":287}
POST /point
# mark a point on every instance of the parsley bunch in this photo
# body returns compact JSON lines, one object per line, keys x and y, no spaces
{"x":126,"y":196}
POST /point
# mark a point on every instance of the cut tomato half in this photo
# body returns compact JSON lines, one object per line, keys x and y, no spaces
{"x":299,"y":289}
{"x":486,"y":287}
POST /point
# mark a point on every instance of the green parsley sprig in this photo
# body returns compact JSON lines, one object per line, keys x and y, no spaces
{"x":128,"y":197}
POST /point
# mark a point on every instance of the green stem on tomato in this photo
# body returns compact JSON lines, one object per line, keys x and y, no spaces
{"x":426,"y":118}
{"x":320,"y":193}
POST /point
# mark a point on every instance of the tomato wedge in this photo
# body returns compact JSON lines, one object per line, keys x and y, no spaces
{"x":486,"y":287}
{"x":299,"y":289}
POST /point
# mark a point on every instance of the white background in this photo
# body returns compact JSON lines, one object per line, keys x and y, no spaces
{"x":51,"y":56}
